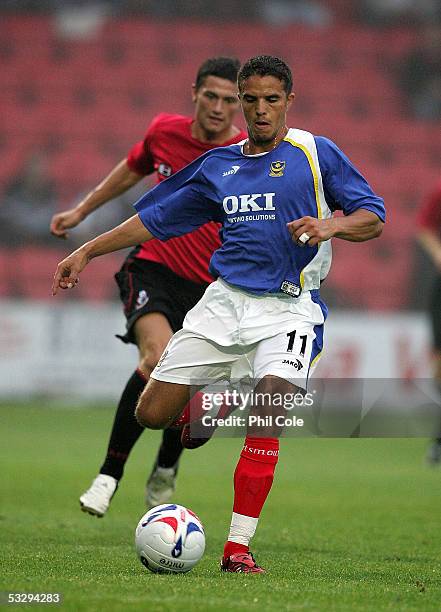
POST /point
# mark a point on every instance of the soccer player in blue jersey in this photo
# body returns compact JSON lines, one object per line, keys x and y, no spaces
{"x":274,"y":194}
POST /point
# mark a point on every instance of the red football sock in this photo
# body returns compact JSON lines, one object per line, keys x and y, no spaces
{"x":254,"y":475}
{"x":231,"y":548}
{"x":192,"y":411}
{"x":226,"y":409}
{"x":252,"y":483}
{"x":196,"y":408}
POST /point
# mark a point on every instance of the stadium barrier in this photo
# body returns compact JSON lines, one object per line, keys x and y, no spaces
{"x":69,"y":352}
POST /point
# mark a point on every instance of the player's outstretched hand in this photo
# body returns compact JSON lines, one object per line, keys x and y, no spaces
{"x":68,"y":270}
{"x":309,"y":231}
{"x":65,"y":220}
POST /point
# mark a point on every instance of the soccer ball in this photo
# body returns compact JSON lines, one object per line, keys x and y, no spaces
{"x":169,"y":539}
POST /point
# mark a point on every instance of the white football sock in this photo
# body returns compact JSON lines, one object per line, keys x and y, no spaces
{"x":242,"y":528}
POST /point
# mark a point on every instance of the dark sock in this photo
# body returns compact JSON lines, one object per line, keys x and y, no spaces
{"x":126,"y":429}
{"x":170,"y":449}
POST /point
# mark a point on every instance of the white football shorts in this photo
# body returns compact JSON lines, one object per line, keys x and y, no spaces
{"x":231,"y":334}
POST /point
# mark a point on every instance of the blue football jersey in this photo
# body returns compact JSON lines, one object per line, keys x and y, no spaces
{"x":254,"y":197}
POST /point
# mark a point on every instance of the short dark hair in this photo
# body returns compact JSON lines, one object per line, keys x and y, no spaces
{"x":222,"y":67}
{"x":267,"y":65}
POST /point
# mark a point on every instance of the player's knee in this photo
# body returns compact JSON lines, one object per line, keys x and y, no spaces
{"x":147,"y":417}
{"x":150,"y":358}
{"x":149,"y":421}
{"x":271,"y":385}
{"x":269,"y":407}
{"x":147,"y":413}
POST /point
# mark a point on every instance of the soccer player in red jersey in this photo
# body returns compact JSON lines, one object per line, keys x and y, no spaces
{"x":159,"y":282}
{"x":429,"y":236}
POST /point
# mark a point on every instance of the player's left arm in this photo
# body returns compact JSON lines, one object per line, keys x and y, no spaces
{"x":345,"y":189}
{"x":359,"y":226}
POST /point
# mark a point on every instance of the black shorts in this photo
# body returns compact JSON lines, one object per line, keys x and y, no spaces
{"x":146,"y":286}
{"x":435,"y":313}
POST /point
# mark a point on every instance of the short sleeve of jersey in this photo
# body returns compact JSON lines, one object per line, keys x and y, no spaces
{"x":345,"y":187}
{"x":140,"y":158}
{"x":180,"y":204}
{"x":429,"y":215}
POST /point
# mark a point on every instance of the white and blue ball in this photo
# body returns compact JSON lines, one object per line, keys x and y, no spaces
{"x":169,"y":539}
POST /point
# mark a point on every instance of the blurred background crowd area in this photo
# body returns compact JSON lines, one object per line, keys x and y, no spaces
{"x":80,"y":82}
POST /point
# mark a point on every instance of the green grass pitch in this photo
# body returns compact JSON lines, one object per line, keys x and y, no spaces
{"x":349,"y":525}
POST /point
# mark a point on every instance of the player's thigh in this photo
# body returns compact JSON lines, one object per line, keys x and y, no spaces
{"x":290,"y":355}
{"x":191,"y":359}
{"x":147,"y":287}
{"x":152,"y":333}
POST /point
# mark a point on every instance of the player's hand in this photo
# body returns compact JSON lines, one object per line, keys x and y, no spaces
{"x":68,"y":270}
{"x":65,"y":220}
{"x":318,"y":230}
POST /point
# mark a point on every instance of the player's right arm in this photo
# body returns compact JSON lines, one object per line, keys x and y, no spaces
{"x":129,"y":233}
{"x":176,"y":206}
{"x":120,"y":179}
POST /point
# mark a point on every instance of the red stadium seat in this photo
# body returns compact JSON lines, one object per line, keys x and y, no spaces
{"x":34,"y":268}
{"x":98,"y":96}
{"x":6,"y":274}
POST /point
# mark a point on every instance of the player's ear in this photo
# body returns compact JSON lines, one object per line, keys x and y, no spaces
{"x":290,"y":99}
{"x":194,"y":92}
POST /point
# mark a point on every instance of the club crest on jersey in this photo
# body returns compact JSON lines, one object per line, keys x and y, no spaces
{"x":164,"y":170}
{"x":277,"y":168}
{"x":142,"y":299}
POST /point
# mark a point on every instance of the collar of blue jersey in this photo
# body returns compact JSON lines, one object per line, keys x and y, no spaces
{"x":244,"y":143}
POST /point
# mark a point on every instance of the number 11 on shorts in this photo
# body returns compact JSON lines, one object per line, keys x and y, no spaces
{"x":291,"y":339}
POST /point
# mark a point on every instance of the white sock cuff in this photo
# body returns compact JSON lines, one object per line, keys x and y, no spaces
{"x":242,"y":528}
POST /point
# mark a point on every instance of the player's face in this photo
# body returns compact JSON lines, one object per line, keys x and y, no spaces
{"x":216,"y":104}
{"x":264,"y":104}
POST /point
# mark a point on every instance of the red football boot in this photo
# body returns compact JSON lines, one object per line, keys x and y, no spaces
{"x":241,"y":563}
